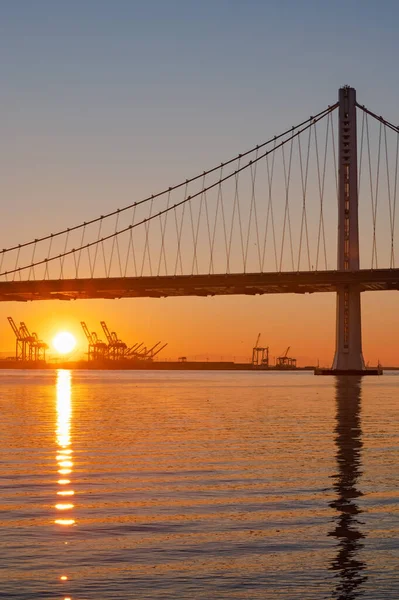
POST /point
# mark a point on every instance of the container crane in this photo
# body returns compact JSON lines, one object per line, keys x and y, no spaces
{"x":28,"y":347}
{"x":285,"y":362}
{"x":97,"y":349}
{"x":133,"y":351}
{"x":132,"y":348}
{"x":39,"y":348}
{"x":151,"y":353}
{"x":159,"y":350}
{"x":116,"y":348}
{"x":28,"y":340}
{"x":20,"y":343}
{"x":144,"y":353}
{"x":260,"y":355}
{"x":36,"y":348}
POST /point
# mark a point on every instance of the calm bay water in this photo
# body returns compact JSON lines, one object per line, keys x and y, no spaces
{"x":198,"y":485}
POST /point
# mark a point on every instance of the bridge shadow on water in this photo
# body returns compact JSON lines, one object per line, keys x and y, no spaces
{"x":348,"y":566}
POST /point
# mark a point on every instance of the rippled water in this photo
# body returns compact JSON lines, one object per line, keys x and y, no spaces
{"x":198,"y":485}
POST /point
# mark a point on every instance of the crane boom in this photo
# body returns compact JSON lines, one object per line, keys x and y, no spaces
{"x":134,"y":349}
{"x":87,"y":332}
{"x":159,"y":350}
{"x":25,"y":332}
{"x":131,"y":349}
{"x":106,"y":331}
{"x":148,"y":352}
{"x":14,"y":328}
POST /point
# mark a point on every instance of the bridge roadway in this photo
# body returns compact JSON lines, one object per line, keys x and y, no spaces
{"x":302,"y":282}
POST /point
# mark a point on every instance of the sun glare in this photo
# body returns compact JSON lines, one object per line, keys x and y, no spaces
{"x":64,"y":342}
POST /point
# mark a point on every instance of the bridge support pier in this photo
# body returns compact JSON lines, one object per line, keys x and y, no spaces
{"x":348,"y":345}
{"x":348,"y":349}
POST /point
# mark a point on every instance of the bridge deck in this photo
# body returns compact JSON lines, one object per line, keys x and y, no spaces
{"x":306,"y":282}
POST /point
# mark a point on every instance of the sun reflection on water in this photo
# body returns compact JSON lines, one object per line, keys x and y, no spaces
{"x":65,"y":521}
{"x":64,"y":410}
{"x":64,"y":450}
{"x":63,"y":436}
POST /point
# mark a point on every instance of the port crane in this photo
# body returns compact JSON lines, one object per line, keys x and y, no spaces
{"x":116,"y":348}
{"x":285,"y":362}
{"x":28,"y":347}
{"x":147,"y":353}
{"x":20,"y":342}
{"x":97,"y":349}
{"x":151,"y":354}
{"x":260,"y":355}
{"x":133,"y":351}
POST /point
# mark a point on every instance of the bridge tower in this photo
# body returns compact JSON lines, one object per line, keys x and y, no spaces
{"x":348,"y":348}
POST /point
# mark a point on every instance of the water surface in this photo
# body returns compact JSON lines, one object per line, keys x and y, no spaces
{"x":205,"y":485}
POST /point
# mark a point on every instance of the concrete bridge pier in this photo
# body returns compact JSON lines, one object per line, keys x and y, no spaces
{"x":348,"y":348}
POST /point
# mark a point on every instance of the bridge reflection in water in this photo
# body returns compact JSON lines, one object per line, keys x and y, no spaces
{"x":347,"y":563}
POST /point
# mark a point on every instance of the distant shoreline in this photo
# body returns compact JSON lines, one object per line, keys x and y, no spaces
{"x":145,"y":366}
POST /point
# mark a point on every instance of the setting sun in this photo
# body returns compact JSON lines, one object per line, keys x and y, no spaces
{"x":64,"y":342}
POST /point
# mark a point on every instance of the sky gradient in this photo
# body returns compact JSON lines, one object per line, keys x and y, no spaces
{"x":103,"y":103}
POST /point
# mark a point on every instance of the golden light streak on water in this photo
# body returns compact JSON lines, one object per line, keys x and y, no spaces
{"x":63,"y":434}
{"x":64,"y":408}
{"x":64,"y":451}
{"x":65,"y":522}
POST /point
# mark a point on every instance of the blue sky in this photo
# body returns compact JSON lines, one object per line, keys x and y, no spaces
{"x":124,"y":97}
{"x":125,"y":82}
{"x":103,"y":102}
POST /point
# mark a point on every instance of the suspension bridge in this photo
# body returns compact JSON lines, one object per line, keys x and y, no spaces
{"x":282,"y":217}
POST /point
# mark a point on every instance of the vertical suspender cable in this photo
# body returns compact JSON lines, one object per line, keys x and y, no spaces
{"x":394,"y":198}
{"x":389,"y":195}
{"x":179,"y":230}
{"x":304,"y":183}
{"x":269,"y":212}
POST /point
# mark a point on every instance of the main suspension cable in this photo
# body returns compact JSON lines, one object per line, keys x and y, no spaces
{"x":171,"y":188}
{"x":297,"y":131}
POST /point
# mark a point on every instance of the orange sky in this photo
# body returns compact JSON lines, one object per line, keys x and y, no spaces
{"x":217,"y":327}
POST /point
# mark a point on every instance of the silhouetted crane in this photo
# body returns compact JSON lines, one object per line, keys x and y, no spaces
{"x":116,"y":348}
{"x":260,"y":355}
{"x":97,"y":349}
{"x":285,"y":362}
{"x":28,"y":346}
